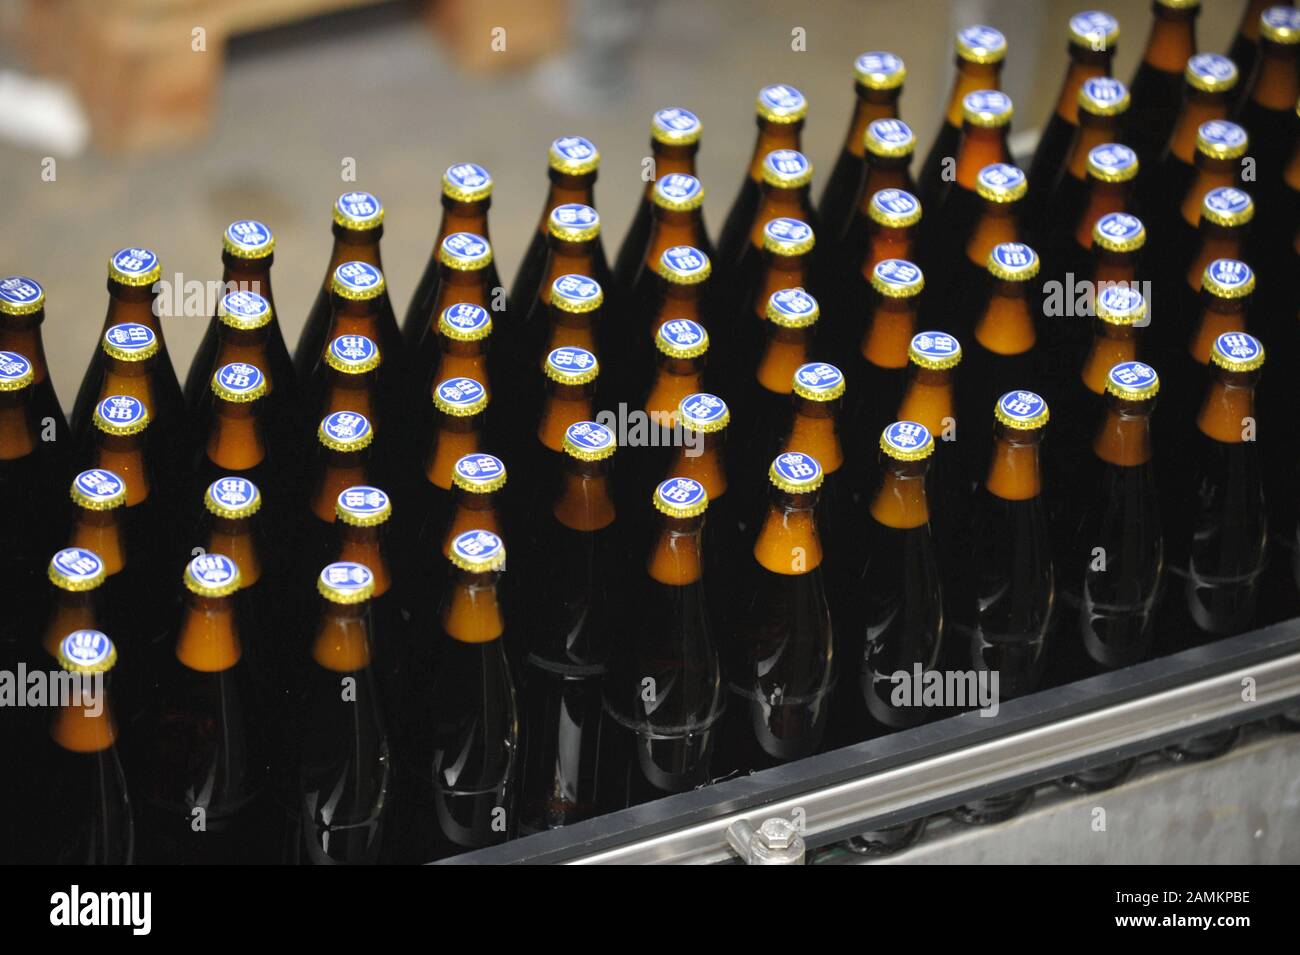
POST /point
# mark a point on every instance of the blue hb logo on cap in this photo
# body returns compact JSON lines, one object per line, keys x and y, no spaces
{"x":680,"y":492}
{"x":233,"y":491}
{"x":994,"y":102}
{"x":819,"y":376}
{"x":466,"y":317}
{"x":362,"y":499}
{"x":460,"y":392}
{"x":575,"y":288}
{"x":1133,"y":375}
{"x":248,"y":233}
{"x":1120,"y":298}
{"x":895,"y":132}
{"x":244,"y":304}
{"x":685,"y":259}
{"x":480,"y":468}
{"x":213,"y":570}
{"x":465,"y":245}
{"x":794,"y":302}
{"x":1231,"y":273}
{"x":130,"y":336}
{"x":899,"y":272}
{"x":1093,"y":24}
{"x":99,"y":484}
{"x":134,"y":261}
{"x":575,"y":214}
{"x":1221,"y":132}
{"x":1282,"y":17}
{"x":1119,"y":225}
{"x":122,"y":409}
{"x":878,"y":62}
{"x":359,"y":205}
{"x":468,"y":175}
{"x":353,"y":349}
{"x":781,"y":98}
{"x":240,"y":377}
{"x":1212,"y":66}
{"x":345,"y":425}
{"x":1001,"y":175}
{"x":1228,"y":200}
{"x":589,"y":435}
{"x":575,"y":148}
{"x":478,"y":546}
{"x":980,"y":37}
{"x":897,"y":202}
{"x":86,"y":647}
{"x":678,"y":186}
{"x":77,"y":564}
{"x":787,"y":163}
{"x":1014,"y":255}
{"x":1238,"y":346}
{"x":1113,"y":156}
{"x":358,"y":276}
{"x":784,"y":229}
{"x":674,"y":119}
{"x":1022,"y":405}
{"x":907,"y":436}
{"x":935,"y":344}
{"x":703,"y":407}
{"x":20,"y":290}
{"x":682,"y":332}
{"x":347,"y":575}
{"x":797,"y":467}
{"x":570,"y":359}
{"x":13,"y":366}
{"x":1104,"y":89}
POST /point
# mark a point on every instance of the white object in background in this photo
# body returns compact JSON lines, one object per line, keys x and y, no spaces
{"x":42,"y":115}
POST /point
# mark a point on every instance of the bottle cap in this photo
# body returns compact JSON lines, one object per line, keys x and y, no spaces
{"x":239,"y":382}
{"x":233,"y":498}
{"x":1132,"y":381}
{"x":1228,"y":278}
{"x":248,"y":239}
{"x":121,"y":415}
{"x":363,"y":506}
{"x":98,"y":490}
{"x":1001,"y":182}
{"x":244,"y":310}
{"x":465,"y":322}
{"x":788,"y":237}
{"x":934,"y":350}
{"x":682,"y":338}
{"x":1120,"y":305}
{"x":212,"y":575}
{"x":574,"y":156}
{"x":357,"y":282}
{"x":571,"y":366}
{"x":1237,"y":351}
{"x":1112,"y":162}
{"x":345,"y":431}
{"x":465,"y":252}
{"x":576,"y":294}
{"x":981,"y":44}
{"x":907,"y":441}
{"x":684,"y":265}
{"x":20,"y":295}
{"x":675,"y":126}
{"x":1221,"y":139}
{"x":134,"y":267}
{"x":1021,"y":410}
{"x":878,"y":70}
{"x":889,"y":138}
{"x":1103,"y":96}
{"x":358,"y":211}
{"x":352,"y":354}
{"x":479,"y":473}
{"x":346,"y":582}
{"x":87,"y":651}
{"x":703,"y":413}
{"x":1280,"y":24}
{"x":466,"y":182}
{"x":1227,"y":206}
{"x":897,"y":278}
{"x":589,"y":441}
{"x":895,"y":208}
{"x":678,"y":192}
{"x":818,"y":381}
{"x":574,"y":222}
{"x":1119,"y":232}
{"x":1179,"y":4}
{"x":988,"y":109}
{"x":130,"y":342}
{"x":460,"y":397}
{"x":786,"y":169}
{"x":1211,"y":73}
{"x":478,"y":552}
{"x":76,"y":569}
{"x":1013,"y":262}
{"x":795,"y":472}
{"x":792,"y":308}
{"x":781,"y":104}
{"x":680,"y":497}
{"x":1094,"y":29}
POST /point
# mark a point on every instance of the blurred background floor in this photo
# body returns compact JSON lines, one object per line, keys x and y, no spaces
{"x":377,"y":85}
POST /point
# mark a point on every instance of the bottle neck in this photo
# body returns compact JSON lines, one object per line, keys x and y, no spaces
{"x":887,"y":242}
{"x":17,"y":425}
{"x":131,"y":378}
{"x":85,"y":724}
{"x":1093,"y":131}
{"x":471,"y":612}
{"x":101,"y":532}
{"x":248,"y":275}
{"x":707,"y":465}
{"x":1103,"y":199}
{"x":772,"y":136}
{"x":780,"y":272}
{"x":345,"y":392}
{"x":562,"y":406}
{"x":336,"y":471}
{"x":342,"y":641}
{"x":69,"y":611}
{"x":22,"y":334}
{"x":471,"y":217}
{"x":237,"y":539}
{"x":814,"y":431}
{"x":675,"y":378}
{"x":1217,"y":316}
{"x":869,"y":106}
{"x":1172,"y":40}
{"x":1110,"y":345}
{"x":566,"y":189}
{"x":1114,"y":268}
{"x":1006,"y":325}
{"x":245,"y":345}
{"x":900,"y":500}
{"x":882,"y":172}
{"x":461,"y":285}
{"x":970,"y":77}
{"x":1216,"y":242}
{"x":235,"y":440}
{"x":123,"y":454}
{"x":584,"y":502}
{"x":472,"y":512}
{"x":998,"y":222}
{"x":670,"y":160}
{"x":132,"y":304}
{"x":1198,"y":107}
{"x":1085,"y":64}
{"x":1124,"y":438}
{"x":888,"y":332}
{"x":1276,"y":84}
{"x":355,"y":318}
{"x":367,"y":545}
{"x":568,"y":258}
{"x":569,"y":330}
{"x":784,"y":350}
{"x":980,"y":146}
{"x":777,"y":203}
{"x":677,"y":560}
{"x":678,"y":301}
{"x":1013,"y":470}
{"x":1229,"y":402}
{"x":453,"y":438}
{"x":928,"y":400}
{"x":669,"y":228}
{"x":788,"y":542}
{"x":1210,"y":174}
{"x":209,"y":636}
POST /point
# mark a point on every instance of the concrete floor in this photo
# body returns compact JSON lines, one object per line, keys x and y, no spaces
{"x":376,"y":86}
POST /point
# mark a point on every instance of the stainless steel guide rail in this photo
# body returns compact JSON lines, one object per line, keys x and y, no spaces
{"x":943,"y":764}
